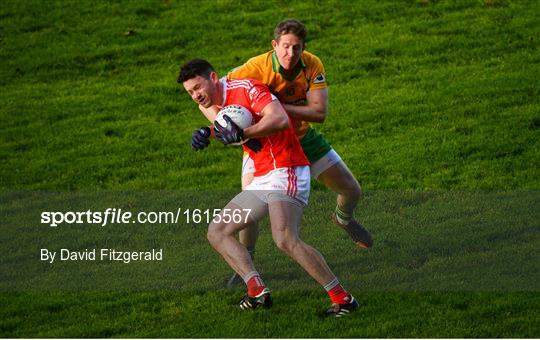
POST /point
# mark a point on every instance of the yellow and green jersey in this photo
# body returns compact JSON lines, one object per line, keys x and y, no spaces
{"x":308,"y":75}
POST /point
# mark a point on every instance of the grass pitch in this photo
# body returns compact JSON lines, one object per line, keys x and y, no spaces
{"x":209,"y":314}
{"x":434,"y":105}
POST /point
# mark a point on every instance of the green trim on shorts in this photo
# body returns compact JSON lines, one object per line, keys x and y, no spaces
{"x":314,"y":145}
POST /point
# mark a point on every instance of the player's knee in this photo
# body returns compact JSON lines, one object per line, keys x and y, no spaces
{"x":351,"y":188}
{"x":286,"y":245}
{"x":211,"y":236}
{"x":354,"y":190}
{"x":214,"y":233}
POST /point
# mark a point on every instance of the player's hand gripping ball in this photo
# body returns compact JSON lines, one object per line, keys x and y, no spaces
{"x":229,"y":133}
{"x":229,"y":126}
{"x":241,"y":116}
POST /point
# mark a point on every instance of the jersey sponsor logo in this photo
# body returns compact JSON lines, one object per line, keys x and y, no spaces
{"x":253,"y":93}
{"x":319,"y":79}
{"x":258,"y":94}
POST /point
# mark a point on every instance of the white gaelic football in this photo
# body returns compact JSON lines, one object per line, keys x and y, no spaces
{"x":238,"y":114}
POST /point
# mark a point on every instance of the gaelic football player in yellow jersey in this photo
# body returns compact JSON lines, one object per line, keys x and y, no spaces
{"x":298,"y":79}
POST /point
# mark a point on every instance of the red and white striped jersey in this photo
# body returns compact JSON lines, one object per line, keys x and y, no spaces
{"x":280,"y":150}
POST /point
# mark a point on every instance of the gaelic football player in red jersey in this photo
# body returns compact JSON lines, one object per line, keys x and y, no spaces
{"x":298,"y":79}
{"x":280,"y":186}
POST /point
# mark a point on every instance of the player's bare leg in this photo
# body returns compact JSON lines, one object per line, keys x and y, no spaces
{"x":340,"y":179}
{"x":285,"y":218}
{"x":247,"y":236}
{"x":221,"y":236}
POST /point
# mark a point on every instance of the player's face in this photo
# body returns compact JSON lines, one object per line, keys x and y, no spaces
{"x":288,"y":50}
{"x":203,"y":91}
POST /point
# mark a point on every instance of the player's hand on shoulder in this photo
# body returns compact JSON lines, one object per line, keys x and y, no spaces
{"x":200,"y":138}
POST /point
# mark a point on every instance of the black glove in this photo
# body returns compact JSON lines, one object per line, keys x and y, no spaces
{"x":232,"y":134}
{"x":200,"y":139}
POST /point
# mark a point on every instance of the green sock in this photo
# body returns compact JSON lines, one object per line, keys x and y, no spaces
{"x":343,"y":217}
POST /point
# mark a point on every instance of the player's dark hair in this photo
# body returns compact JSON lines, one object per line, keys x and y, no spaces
{"x":290,"y":26}
{"x":193,"y":68}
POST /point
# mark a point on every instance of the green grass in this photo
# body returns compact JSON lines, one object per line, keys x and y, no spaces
{"x":423,"y":95}
{"x":445,"y":264}
{"x":434,"y":106}
{"x":167,"y":314}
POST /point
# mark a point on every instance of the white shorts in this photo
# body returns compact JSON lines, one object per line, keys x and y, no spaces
{"x":318,"y":167}
{"x":283,"y":184}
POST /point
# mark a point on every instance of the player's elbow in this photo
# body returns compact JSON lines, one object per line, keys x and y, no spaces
{"x":320,"y":117}
{"x":319,"y":113}
{"x":283,"y":123}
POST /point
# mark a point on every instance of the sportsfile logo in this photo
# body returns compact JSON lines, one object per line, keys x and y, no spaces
{"x":120,"y":216}
{"x":102,"y":218}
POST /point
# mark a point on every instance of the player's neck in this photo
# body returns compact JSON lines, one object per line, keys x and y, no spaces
{"x":289,"y":72}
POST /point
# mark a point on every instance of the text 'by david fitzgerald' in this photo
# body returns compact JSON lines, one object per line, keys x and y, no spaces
{"x":104,"y":254}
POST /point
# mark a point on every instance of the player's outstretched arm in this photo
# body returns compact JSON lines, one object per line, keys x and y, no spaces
{"x":274,"y":119}
{"x":314,"y":111}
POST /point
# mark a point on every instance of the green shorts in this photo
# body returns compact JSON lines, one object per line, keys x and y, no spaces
{"x":314,"y":145}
